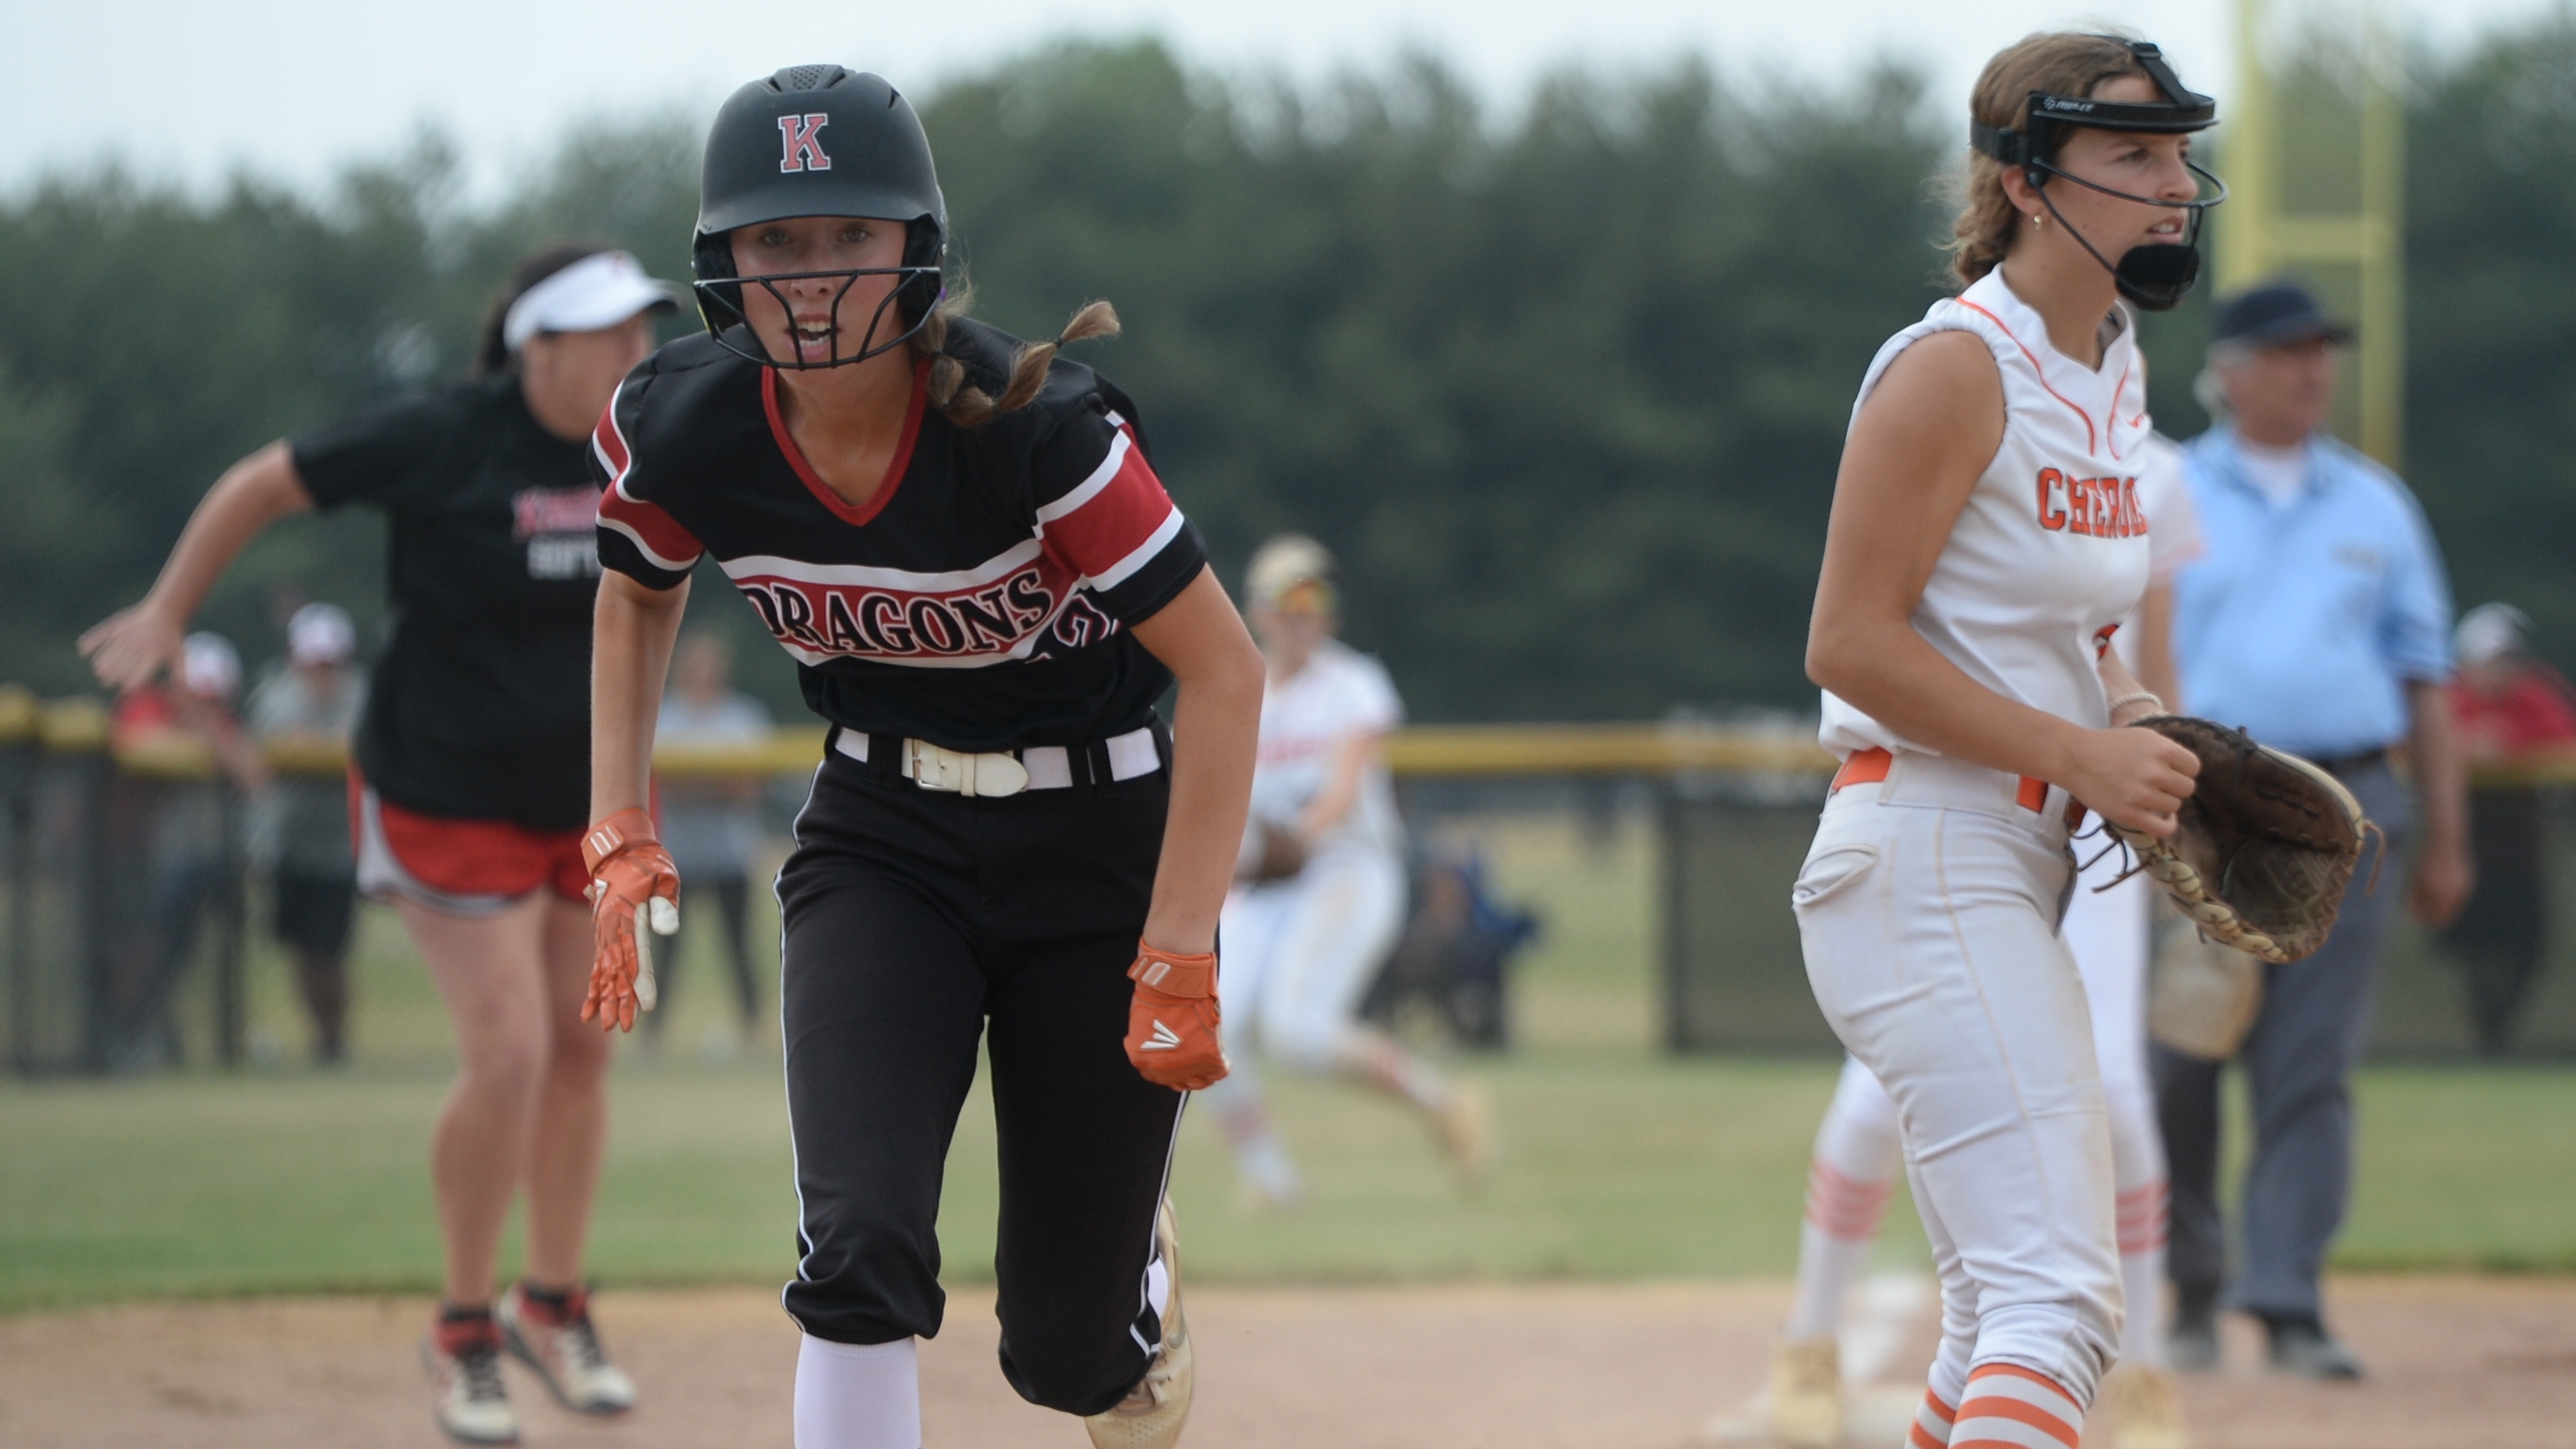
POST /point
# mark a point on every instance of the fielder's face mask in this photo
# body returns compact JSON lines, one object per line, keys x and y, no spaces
{"x":2156,"y":275}
{"x":918,"y":288}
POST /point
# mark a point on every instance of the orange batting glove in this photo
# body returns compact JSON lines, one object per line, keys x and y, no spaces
{"x":633,"y":885}
{"x":1172,"y":1021}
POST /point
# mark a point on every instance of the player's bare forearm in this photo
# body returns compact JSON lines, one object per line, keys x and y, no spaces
{"x":1910,"y":687}
{"x":253,"y":493}
{"x":632,"y":630}
{"x":1352,"y":755}
{"x":2119,"y":684}
{"x":262,"y":488}
{"x":2156,"y":668}
{"x":2444,"y":872}
{"x":1216,"y":722}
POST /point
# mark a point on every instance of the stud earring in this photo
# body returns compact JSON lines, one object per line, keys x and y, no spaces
{"x":2038,"y":220}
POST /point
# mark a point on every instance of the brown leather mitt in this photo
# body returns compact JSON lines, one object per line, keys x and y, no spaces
{"x":1282,"y":854}
{"x":2264,"y":847}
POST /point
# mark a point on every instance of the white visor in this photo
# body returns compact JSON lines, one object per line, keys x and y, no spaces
{"x":601,"y":290}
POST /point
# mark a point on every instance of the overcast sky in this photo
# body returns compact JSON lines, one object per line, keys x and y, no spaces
{"x":292,"y":88}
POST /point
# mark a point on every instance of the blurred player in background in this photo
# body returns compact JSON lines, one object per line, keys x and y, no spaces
{"x":2509,"y":707}
{"x":1859,"y":1148}
{"x":2318,"y":620}
{"x":313,"y":703}
{"x":712,"y":826}
{"x":192,"y":852}
{"x":1322,"y":883}
{"x":1986,"y":541}
{"x":468,"y":779}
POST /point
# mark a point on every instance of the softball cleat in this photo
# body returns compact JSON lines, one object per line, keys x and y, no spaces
{"x":464,"y":1364}
{"x":563,"y":1348}
{"x":1151,"y":1415}
{"x":1466,"y":1126}
{"x":1807,"y":1394}
{"x":2142,"y":1408}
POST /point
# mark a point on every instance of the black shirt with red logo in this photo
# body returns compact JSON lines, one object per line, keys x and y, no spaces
{"x":983,"y":598}
{"x":480,"y":708}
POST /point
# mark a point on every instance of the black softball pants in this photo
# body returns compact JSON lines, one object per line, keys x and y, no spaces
{"x":916,"y":921}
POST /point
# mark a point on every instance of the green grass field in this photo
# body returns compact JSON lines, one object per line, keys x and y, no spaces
{"x":1620,"y":1161}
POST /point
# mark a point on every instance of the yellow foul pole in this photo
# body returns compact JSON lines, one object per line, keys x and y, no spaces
{"x":2257,"y":239}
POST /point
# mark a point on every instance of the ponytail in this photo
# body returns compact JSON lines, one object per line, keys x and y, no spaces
{"x":2065,"y":62}
{"x":969,"y":406}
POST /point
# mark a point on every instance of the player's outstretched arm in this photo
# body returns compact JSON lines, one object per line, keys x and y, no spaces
{"x":132,"y":645}
{"x":633,"y":887}
{"x":1916,"y":449}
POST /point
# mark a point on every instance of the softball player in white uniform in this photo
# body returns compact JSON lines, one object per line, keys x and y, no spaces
{"x":1859,"y":1148}
{"x":1302,"y":945}
{"x":1986,"y":541}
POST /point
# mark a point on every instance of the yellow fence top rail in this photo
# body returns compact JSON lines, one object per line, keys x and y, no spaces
{"x":1487,"y":751}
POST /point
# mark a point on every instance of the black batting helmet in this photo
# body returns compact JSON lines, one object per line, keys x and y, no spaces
{"x":817,"y":140}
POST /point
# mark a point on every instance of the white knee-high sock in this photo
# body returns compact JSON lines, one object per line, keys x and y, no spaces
{"x":2138,"y":1175}
{"x":1854,"y":1170}
{"x":2142,"y":1275}
{"x":858,"y":1395}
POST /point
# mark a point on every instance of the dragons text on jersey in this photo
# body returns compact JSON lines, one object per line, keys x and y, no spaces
{"x":978,"y":600}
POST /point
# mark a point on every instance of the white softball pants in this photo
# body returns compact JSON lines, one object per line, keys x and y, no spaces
{"x":1859,"y":1152}
{"x":1928,"y":909}
{"x":1300,"y":953}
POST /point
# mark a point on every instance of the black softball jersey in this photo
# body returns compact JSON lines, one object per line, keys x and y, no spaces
{"x":480,"y":708}
{"x":980,"y":601}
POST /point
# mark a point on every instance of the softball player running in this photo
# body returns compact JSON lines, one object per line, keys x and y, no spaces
{"x":1985,"y":542}
{"x":467,"y":781}
{"x":1324,"y":891}
{"x":1858,"y":1146}
{"x":958,"y":538}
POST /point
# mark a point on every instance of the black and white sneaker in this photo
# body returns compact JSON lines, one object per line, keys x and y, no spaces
{"x":463,"y":1356}
{"x":555,"y":1337}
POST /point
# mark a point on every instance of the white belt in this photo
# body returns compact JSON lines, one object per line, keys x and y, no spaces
{"x":1039,"y":767}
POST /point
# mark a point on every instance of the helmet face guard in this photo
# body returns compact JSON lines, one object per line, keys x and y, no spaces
{"x":2154,"y":276}
{"x":819,"y":140}
{"x":920,"y":286}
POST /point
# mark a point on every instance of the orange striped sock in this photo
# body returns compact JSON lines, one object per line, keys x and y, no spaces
{"x":2011,"y":1407}
{"x":1931,"y":1423}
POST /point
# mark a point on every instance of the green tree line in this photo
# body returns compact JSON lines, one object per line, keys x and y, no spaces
{"x":1565,"y":390}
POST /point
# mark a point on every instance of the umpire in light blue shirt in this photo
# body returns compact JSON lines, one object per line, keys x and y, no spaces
{"x":2318,"y":621}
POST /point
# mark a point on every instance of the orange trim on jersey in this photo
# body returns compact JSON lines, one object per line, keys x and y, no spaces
{"x":2112,"y":427}
{"x":1870,"y":766}
{"x":814,"y":483}
{"x":2039,"y":371}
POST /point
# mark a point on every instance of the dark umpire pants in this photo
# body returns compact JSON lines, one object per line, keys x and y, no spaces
{"x":913,"y":919}
{"x":2313,"y":1025}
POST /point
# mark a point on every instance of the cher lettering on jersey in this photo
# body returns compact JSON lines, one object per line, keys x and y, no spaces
{"x":1029,"y":601}
{"x":2095,"y":507}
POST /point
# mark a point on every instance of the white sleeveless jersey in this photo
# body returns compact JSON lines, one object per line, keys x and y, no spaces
{"x":2051,"y":552}
{"x":1304,"y":718}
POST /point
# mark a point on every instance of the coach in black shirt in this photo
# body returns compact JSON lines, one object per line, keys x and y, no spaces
{"x":470,"y":782}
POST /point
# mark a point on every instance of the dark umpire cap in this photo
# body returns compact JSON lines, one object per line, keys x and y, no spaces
{"x":2275,"y":316}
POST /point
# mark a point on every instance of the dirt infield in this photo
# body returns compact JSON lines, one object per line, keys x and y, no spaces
{"x":2457,"y":1361}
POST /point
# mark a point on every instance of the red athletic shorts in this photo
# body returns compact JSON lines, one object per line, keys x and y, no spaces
{"x":465,"y":867}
